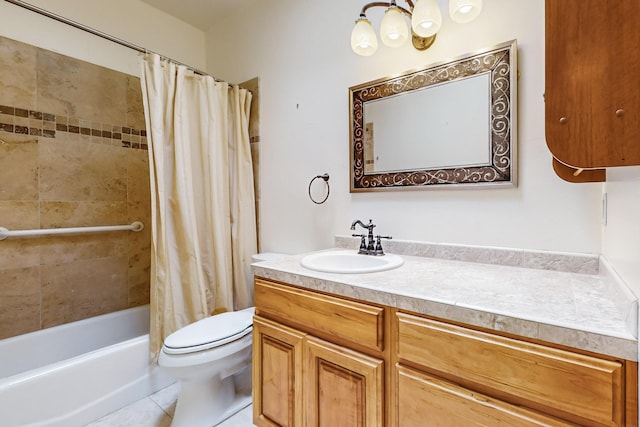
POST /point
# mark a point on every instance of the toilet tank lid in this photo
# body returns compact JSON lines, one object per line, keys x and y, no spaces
{"x":267,"y":256}
{"x":210,"y":332}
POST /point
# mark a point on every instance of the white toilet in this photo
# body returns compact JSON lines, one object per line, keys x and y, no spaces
{"x":212,"y":360}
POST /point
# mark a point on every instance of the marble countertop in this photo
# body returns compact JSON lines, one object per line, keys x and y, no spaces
{"x":584,"y":311}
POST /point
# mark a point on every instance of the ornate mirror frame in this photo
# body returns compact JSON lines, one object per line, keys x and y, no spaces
{"x":501,"y":64}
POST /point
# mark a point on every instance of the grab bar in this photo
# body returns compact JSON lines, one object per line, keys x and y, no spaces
{"x":134,"y":226}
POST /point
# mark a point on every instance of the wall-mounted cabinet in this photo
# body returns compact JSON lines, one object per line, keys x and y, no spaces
{"x":592,"y":94}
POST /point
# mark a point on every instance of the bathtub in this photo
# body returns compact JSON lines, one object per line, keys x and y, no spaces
{"x":75,"y":373}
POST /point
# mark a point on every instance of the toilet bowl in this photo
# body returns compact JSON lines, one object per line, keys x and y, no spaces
{"x":212,"y":360}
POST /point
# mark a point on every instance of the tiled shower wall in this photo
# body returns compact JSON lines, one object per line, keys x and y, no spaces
{"x":253,"y":86}
{"x":72,"y":153}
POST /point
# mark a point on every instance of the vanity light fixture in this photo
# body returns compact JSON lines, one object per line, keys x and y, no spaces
{"x":426,"y":20}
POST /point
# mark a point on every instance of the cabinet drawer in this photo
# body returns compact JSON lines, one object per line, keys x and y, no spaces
{"x":423,"y":397}
{"x":570,"y":385}
{"x":322,"y":315}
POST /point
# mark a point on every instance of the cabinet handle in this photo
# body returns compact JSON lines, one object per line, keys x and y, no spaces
{"x":563,"y":120}
{"x":620,"y":112}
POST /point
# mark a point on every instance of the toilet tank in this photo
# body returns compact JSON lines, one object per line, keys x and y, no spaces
{"x":267,"y":256}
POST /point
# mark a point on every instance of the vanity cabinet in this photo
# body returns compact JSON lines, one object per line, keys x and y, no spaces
{"x":325,"y":360}
{"x":317,"y":359}
{"x":592,"y":97}
{"x":581,"y":389}
{"x":277,"y":374}
{"x":343,"y":387}
{"x":425,"y":397}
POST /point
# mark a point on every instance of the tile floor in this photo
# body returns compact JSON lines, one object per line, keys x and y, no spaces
{"x":157,"y":411}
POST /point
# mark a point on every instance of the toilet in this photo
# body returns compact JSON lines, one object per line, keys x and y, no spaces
{"x":212,"y":360}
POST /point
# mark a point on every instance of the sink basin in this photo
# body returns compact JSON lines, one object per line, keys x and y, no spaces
{"x":349,"y":261}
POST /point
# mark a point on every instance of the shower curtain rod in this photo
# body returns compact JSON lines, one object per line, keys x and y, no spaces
{"x":98,"y":33}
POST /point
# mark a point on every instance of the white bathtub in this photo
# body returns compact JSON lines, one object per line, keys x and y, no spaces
{"x":73,"y":374}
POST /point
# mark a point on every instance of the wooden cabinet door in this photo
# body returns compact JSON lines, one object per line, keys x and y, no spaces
{"x":583,"y":388}
{"x":344,"y":388}
{"x":592,"y":96}
{"x":424,"y":400}
{"x":277,"y":374}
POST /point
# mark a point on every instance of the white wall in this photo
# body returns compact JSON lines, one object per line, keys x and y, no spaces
{"x":621,"y":243}
{"x":300,"y":51}
{"x":130,"y":20}
{"x":305,"y":71}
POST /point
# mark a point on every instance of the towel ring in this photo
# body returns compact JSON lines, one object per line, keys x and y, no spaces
{"x":325,"y":177}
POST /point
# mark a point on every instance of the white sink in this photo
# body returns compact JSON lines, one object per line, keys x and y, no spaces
{"x":349,"y":261}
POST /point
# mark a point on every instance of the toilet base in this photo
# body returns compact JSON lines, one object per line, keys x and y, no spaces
{"x":208,"y":403}
{"x":238,"y":405}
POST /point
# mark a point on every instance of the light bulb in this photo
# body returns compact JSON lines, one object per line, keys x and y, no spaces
{"x":463,"y":11}
{"x":393,"y":28}
{"x":426,"y":18}
{"x":363,"y":39}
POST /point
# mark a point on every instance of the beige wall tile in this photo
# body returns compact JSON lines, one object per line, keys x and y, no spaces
{"x":255,"y":158}
{"x":139,"y":291}
{"x":135,"y":107}
{"x":73,"y":88}
{"x":19,"y":170}
{"x":83,"y":289}
{"x":139,"y":206}
{"x":66,"y":249}
{"x":15,"y":252}
{"x":19,"y":301}
{"x":82,"y":214}
{"x":82,"y":171}
{"x":17,"y":74}
{"x":19,"y":215}
{"x":138,"y":186}
{"x":75,"y":179}
{"x":138,"y":172}
{"x":253,"y":86}
{"x":139,"y":267}
{"x":19,"y":253}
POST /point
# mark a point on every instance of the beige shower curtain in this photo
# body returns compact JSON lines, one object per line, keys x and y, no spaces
{"x":202,"y":197}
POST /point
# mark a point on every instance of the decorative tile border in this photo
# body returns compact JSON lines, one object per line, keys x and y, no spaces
{"x":29,"y":122}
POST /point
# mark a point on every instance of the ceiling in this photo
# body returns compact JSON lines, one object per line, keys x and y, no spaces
{"x":201,"y":14}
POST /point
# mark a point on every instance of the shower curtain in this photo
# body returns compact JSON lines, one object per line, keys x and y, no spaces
{"x":202,"y":196}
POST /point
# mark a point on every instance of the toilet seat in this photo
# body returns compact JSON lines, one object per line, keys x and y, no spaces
{"x":210,"y":332}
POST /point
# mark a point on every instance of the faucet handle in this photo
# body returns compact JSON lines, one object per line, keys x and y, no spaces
{"x":363,"y":243}
{"x":378,"y":250}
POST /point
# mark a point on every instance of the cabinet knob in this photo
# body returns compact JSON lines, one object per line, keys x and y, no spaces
{"x":620,"y":112}
{"x":563,"y":120}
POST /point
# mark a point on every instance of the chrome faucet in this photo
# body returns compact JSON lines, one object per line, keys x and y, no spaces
{"x":368,"y":248}
{"x":358,"y":222}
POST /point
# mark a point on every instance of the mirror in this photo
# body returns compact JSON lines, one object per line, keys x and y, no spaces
{"x":449,"y":125}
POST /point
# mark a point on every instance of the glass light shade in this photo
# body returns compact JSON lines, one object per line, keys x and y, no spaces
{"x":463,"y":11}
{"x":363,"y":39}
{"x":393,"y":28}
{"x":426,"y":18}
